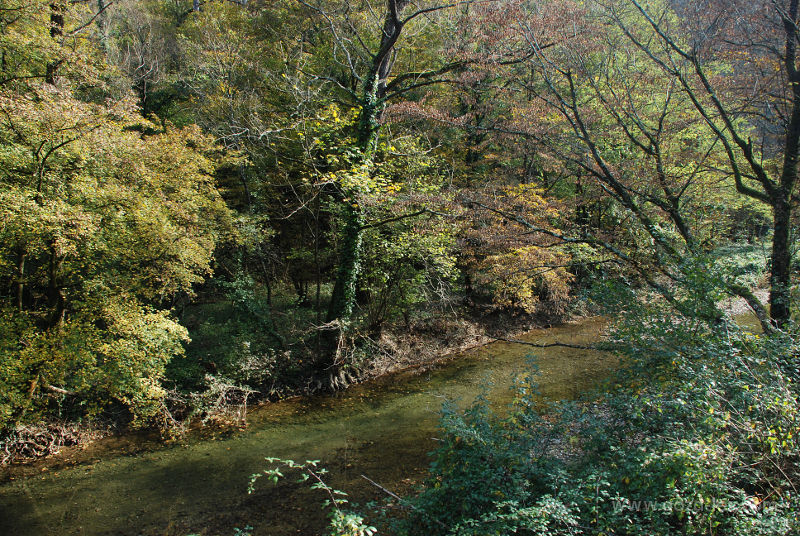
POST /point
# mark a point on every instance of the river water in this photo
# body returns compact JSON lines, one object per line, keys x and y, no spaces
{"x":382,"y":429}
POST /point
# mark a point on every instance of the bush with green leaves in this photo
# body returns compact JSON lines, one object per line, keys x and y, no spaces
{"x":696,"y":435}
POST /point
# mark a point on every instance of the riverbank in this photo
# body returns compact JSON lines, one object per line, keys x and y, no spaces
{"x":383,"y":429}
{"x":420,"y":347}
{"x":416,"y":349}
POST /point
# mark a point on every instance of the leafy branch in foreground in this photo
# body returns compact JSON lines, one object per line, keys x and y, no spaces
{"x":342,"y":522}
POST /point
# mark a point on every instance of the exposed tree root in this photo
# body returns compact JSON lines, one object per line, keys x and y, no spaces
{"x":26,"y":443}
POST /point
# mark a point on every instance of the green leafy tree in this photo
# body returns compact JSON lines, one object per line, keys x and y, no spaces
{"x":106,"y":219}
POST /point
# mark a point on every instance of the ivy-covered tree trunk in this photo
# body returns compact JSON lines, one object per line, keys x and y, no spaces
{"x":344,"y":289}
{"x":372,"y":104}
{"x":343,"y":297}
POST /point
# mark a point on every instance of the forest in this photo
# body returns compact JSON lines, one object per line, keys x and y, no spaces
{"x":210,"y":204}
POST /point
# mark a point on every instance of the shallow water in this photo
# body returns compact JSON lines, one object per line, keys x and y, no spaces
{"x":382,"y":429}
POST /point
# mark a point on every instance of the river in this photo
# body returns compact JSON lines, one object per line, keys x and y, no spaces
{"x":382,"y":429}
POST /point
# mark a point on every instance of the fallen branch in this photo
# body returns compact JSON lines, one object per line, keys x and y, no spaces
{"x":548,"y":345}
{"x":60,"y":391}
{"x":399,"y":499}
{"x":386,"y":491}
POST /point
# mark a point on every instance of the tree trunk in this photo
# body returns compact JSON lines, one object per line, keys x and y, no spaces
{"x":57,"y":10}
{"x":102,"y":24}
{"x":55,"y":292}
{"x":344,"y":289}
{"x":21,"y":278}
{"x":372,"y":104}
{"x":780,"y":280}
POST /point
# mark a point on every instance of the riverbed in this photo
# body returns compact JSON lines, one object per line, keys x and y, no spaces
{"x":383,"y":429}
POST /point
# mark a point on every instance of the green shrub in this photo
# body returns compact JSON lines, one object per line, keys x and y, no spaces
{"x":697,"y":435}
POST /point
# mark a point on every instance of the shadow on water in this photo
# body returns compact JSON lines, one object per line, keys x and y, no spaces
{"x":383,"y":429}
